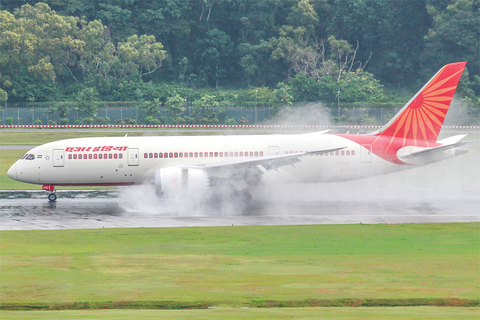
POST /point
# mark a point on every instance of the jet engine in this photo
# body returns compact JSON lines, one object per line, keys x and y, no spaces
{"x":176,"y":180}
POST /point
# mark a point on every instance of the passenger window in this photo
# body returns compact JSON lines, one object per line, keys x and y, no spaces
{"x":261,"y":153}
{"x":150,"y":155}
{"x":115,"y":156}
{"x":347,"y":152}
{"x":241,"y":153}
{"x":216,"y":154}
{"x":251,"y":153}
{"x":160,"y":155}
{"x":70,"y":156}
{"x":180,"y":154}
{"x":145,"y":155}
{"x":85,"y":156}
{"x":74,"y":156}
{"x":210,"y":154}
{"x":165,"y":155}
{"x":256,"y":153}
{"x":155,"y":155}
{"x":231,"y":154}
{"x":95,"y":156}
{"x":120,"y":156}
{"x":176,"y":154}
{"x":342,"y":153}
{"x":200,"y":154}
{"x":104,"y":156}
{"x":236,"y":153}
{"x":226,"y":154}
{"x":170,"y":155}
{"x":337,"y":153}
{"x":191,"y":155}
{"x":353,"y":152}
{"x":221,"y":154}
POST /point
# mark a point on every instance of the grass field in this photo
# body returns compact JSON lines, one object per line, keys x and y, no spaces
{"x":240,"y":266}
{"x":424,"y":313}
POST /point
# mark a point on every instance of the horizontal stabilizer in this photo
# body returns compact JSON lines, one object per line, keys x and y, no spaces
{"x":424,"y":155}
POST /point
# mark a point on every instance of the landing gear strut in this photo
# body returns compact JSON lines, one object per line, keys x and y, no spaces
{"x":52,"y":196}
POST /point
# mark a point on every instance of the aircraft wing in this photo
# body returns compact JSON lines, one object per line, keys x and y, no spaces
{"x":234,"y":168}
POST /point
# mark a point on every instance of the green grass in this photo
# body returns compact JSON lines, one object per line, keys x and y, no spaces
{"x":236,"y":266}
{"x":425,"y":313}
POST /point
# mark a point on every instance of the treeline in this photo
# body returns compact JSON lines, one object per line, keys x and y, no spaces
{"x":161,"y":52}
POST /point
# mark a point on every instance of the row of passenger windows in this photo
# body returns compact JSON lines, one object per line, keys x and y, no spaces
{"x":156,"y":155}
{"x":190,"y":154}
{"x":333,"y":153}
{"x":96,"y":156}
{"x":202,"y":154}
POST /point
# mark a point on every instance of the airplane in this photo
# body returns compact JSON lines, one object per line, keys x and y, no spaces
{"x":206,"y":165}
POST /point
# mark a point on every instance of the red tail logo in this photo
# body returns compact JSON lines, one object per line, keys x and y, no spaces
{"x":420,"y":120}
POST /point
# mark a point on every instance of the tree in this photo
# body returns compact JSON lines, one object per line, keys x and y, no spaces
{"x":454,"y":36}
{"x":392,"y":30}
{"x":36,"y":43}
{"x":101,"y":57}
{"x":215,"y":48}
{"x":86,"y":99}
{"x":203,"y":107}
{"x":176,"y":107}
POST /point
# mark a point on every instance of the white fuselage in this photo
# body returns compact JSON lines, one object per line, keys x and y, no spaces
{"x":130,"y":160}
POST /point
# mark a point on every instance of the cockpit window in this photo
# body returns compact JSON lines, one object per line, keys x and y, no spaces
{"x":24,"y":156}
{"x":30,"y":156}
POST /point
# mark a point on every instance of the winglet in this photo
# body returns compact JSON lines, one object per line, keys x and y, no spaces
{"x":421,"y":119}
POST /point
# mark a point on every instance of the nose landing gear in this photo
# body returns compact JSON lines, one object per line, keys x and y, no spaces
{"x":52,"y":196}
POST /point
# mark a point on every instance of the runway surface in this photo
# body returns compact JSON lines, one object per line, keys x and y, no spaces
{"x":348,"y":203}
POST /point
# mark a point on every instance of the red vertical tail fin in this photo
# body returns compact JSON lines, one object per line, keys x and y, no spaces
{"x":420,"y":120}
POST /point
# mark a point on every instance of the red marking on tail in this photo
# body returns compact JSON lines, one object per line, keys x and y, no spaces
{"x":420,"y":120}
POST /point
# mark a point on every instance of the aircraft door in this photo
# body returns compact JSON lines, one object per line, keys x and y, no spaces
{"x":366,"y":153}
{"x":273,"y":151}
{"x":132,"y":156}
{"x":58,"y":158}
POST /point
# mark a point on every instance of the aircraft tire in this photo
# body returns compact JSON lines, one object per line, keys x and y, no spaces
{"x":52,"y":197}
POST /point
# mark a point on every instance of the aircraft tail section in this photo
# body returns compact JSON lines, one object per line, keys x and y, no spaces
{"x":420,"y":120}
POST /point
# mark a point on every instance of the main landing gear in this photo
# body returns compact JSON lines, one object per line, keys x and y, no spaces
{"x":52,"y":196}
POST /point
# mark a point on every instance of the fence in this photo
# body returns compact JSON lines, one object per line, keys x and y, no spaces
{"x":248,"y":115}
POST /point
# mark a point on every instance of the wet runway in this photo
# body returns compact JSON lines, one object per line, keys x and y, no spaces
{"x":29,"y":210}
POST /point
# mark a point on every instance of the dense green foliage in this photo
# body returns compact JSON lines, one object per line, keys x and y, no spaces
{"x":136,"y":50}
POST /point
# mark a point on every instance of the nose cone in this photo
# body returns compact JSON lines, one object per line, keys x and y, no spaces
{"x":12,"y":172}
